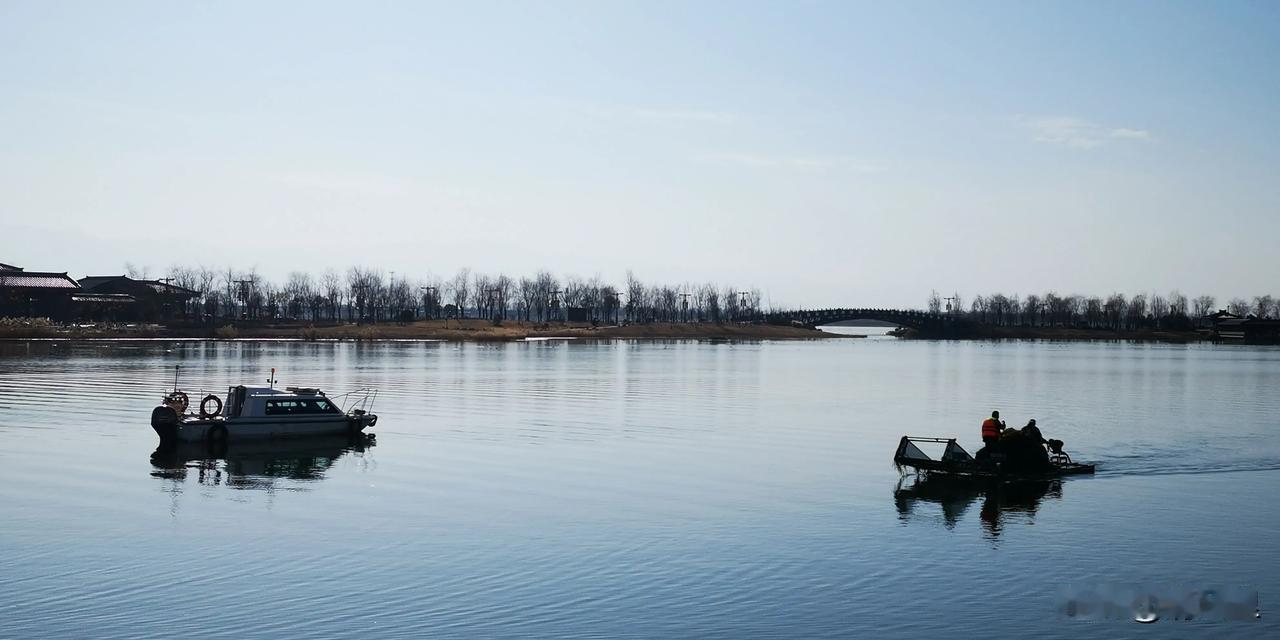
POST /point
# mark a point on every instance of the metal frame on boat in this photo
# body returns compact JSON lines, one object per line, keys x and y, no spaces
{"x":955,"y":461}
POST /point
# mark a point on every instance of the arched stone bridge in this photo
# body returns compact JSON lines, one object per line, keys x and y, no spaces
{"x":922,"y":321}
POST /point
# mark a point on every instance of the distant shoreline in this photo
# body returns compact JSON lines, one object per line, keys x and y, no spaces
{"x":476,"y":330}
{"x":470,"y":330}
{"x":987,"y":332}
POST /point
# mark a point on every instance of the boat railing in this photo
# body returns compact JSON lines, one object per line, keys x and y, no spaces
{"x":360,"y":399}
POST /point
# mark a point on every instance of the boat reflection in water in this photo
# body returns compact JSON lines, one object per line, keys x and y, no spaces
{"x":1000,"y":500}
{"x":257,"y":464}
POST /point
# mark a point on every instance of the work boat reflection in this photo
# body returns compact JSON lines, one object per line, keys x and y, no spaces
{"x":258,"y":464}
{"x":1002,"y":502}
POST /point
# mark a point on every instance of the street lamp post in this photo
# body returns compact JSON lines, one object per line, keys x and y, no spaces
{"x":554,"y":303}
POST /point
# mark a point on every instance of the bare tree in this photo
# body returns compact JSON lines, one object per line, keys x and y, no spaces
{"x":1137,"y":311}
{"x":1074,"y":309}
{"x":331,"y":285}
{"x":528,"y":292}
{"x":1159,"y":308}
{"x":978,"y":308}
{"x":935,"y":302}
{"x":229,"y":279}
{"x":483,"y":295}
{"x":1057,"y":309}
{"x":670,"y":297}
{"x":1031,"y":308}
{"x":1093,"y":312}
{"x":460,"y":290}
{"x":187,"y":278}
{"x":206,"y":278}
{"x":548,"y":287}
{"x":591,"y":298}
{"x":1263,"y":306}
{"x":712,"y":298}
{"x":400,"y":300}
{"x":1238,"y":306}
{"x":272,"y":301}
{"x":635,"y":296}
{"x":137,"y":273}
{"x":732,"y":303}
{"x":298,"y":292}
{"x":998,"y":307}
{"x":253,"y":289}
{"x":610,"y":296}
{"x":506,"y":287}
{"x":574,"y":291}
{"x":364,"y":288}
{"x":1204,"y":305}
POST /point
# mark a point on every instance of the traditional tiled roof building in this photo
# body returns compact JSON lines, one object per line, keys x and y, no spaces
{"x":35,"y":293}
{"x":139,"y":299}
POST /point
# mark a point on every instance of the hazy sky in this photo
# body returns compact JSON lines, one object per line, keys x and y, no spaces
{"x":829,"y":153}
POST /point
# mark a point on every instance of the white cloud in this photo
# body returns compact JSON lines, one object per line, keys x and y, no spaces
{"x":1132,"y":134}
{"x":1077,"y":133}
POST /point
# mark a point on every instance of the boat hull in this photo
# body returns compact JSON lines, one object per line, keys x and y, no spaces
{"x":989,"y":472}
{"x":173,"y":428}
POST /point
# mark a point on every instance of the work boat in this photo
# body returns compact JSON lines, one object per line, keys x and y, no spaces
{"x":262,"y":412}
{"x":954,"y":462}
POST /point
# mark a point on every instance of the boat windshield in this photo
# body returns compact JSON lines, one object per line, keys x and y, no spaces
{"x":298,"y":406}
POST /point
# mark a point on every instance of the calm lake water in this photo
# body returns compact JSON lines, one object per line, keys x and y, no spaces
{"x":632,"y":489}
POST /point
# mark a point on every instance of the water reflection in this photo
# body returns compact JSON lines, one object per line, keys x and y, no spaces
{"x":257,"y":464}
{"x":1000,"y":500}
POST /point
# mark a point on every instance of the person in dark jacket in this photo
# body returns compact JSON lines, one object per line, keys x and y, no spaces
{"x":1032,"y":455}
{"x":1032,"y":433}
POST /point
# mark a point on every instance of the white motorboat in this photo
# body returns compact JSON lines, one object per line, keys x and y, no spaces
{"x":262,"y":412}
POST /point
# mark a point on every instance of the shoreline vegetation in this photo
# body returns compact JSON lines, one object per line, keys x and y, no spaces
{"x":470,"y":330}
{"x":477,"y":330}
{"x":364,"y":304}
{"x":1076,"y":334}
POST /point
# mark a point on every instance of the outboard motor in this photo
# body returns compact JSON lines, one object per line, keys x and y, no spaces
{"x":164,"y":420}
{"x":1056,"y":454}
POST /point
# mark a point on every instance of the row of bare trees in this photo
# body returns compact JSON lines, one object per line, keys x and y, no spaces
{"x":1116,"y":311}
{"x":362,"y":294}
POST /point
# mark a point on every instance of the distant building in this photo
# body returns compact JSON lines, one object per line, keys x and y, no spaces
{"x":1220,"y":315}
{"x":1228,"y":327}
{"x":108,"y":307}
{"x":36,"y":294}
{"x":124,"y":298}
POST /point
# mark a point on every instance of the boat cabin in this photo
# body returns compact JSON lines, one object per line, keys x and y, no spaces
{"x":254,"y":402}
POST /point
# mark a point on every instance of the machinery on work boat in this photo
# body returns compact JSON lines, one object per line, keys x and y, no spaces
{"x":261,"y":412}
{"x":955,"y":462}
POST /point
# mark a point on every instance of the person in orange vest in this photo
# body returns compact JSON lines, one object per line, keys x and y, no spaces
{"x":991,"y":428}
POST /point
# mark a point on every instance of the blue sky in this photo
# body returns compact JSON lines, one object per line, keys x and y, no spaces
{"x":829,"y":153}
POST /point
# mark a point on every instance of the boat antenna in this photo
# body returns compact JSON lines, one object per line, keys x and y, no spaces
{"x":271,"y":382}
{"x":176,"y":369}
